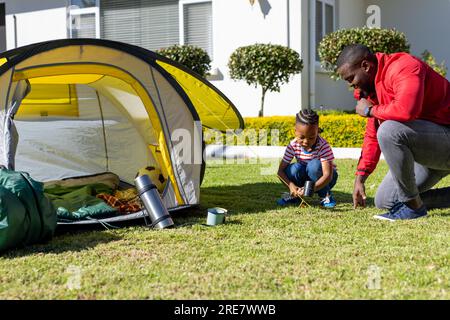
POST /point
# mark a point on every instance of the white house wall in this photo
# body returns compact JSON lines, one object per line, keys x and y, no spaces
{"x":330,"y":94}
{"x":425,"y":23}
{"x":237,"y":23}
{"x":36,"y":21}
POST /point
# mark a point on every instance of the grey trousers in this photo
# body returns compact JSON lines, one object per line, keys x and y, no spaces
{"x":418,"y":156}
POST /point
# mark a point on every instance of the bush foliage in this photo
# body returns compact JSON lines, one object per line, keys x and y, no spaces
{"x":266,"y":65}
{"x":340,"y":130}
{"x":377,"y":40}
{"x":190,"y":56}
{"x":431,"y":61}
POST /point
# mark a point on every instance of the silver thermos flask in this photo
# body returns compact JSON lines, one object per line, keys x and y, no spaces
{"x":151,"y":199}
{"x":309,"y":189}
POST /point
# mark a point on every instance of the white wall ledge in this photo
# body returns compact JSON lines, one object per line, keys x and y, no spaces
{"x":268,"y":152}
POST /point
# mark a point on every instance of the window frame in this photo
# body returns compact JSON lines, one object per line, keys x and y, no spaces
{"x":181,"y":7}
{"x":313,"y":43}
{"x":74,"y":10}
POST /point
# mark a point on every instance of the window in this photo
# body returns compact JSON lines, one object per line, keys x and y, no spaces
{"x":151,"y":24}
{"x":324,"y":22}
{"x":196,"y":24}
{"x":83,"y":19}
{"x":155,"y":24}
{"x":84,"y":3}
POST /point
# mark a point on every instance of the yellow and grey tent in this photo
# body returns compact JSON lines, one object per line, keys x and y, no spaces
{"x":77,"y":107}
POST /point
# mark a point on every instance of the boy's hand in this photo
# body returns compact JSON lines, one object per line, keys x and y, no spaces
{"x":293,"y":189}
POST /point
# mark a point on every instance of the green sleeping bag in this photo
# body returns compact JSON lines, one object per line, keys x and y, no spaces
{"x":27,"y":216}
{"x":80,"y":202}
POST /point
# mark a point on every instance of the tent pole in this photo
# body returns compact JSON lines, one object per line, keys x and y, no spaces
{"x":103,"y":128}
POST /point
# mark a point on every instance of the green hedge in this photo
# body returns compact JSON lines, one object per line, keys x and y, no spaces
{"x":377,"y":40}
{"x":340,"y":130}
{"x":431,"y":61}
{"x":192,"y":57}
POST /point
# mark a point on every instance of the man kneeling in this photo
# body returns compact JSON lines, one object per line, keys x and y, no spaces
{"x":408,"y":106}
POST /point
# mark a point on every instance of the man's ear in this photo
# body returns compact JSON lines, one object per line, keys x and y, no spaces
{"x":365,"y":65}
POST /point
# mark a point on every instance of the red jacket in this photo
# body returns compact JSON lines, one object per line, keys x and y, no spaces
{"x":406,"y":89}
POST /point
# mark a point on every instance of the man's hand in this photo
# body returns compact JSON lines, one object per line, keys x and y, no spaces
{"x":359,"y":192}
{"x":361,"y":106}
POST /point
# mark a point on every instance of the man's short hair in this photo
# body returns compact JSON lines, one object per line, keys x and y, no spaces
{"x":353,"y":54}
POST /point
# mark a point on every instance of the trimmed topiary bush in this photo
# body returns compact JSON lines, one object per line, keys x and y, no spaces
{"x":190,"y":56}
{"x":266,"y":65}
{"x":377,"y":40}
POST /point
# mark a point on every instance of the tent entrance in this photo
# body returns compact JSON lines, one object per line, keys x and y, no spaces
{"x":84,"y":123}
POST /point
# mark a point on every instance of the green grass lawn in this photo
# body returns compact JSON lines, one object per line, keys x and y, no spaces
{"x":261,"y":252}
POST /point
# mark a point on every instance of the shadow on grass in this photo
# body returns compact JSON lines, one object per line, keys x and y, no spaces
{"x":249,"y":198}
{"x":64,"y":229}
{"x":74,"y":241}
{"x":227,"y":221}
{"x":442,"y":212}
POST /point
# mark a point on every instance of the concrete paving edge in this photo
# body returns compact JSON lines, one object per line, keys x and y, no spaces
{"x":268,"y":152}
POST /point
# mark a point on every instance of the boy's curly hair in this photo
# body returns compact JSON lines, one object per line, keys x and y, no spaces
{"x":307,"y":116}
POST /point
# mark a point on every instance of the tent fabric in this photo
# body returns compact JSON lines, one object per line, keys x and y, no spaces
{"x":62,"y":102}
{"x":96,"y":105}
{"x":80,"y":142}
{"x":214,"y":110}
{"x":8,"y":149}
{"x":234,"y":120}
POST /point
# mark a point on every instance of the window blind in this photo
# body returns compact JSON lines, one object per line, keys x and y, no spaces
{"x":198,"y":25}
{"x":151,"y":24}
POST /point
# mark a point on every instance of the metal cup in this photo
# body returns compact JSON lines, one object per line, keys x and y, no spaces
{"x":216,"y":216}
{"x":309,"y":189}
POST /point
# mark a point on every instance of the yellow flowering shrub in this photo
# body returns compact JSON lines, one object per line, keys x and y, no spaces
{"x":340,"y":130}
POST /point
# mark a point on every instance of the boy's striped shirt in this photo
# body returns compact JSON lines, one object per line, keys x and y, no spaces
{"x":321,"y":151}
